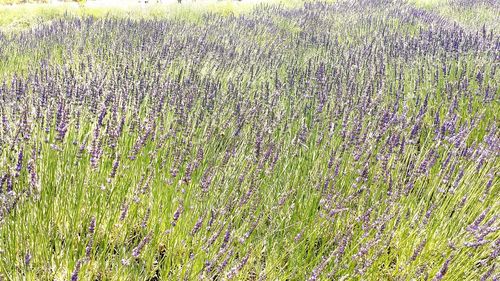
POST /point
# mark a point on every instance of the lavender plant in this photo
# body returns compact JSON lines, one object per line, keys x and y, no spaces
{"x":327,"y":141}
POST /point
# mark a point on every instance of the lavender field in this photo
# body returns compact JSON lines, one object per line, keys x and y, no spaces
{"x":351,"y":140}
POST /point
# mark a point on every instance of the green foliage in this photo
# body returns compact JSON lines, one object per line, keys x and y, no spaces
{"x":312,"y":184}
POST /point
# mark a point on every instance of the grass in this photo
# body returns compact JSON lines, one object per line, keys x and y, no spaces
{"x":23,"y":16}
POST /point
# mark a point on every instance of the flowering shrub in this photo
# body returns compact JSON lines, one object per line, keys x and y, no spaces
{"x":333,"y":141}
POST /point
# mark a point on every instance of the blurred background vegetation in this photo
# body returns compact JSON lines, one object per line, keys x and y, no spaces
{"x":33,"y":1}
{"x":16,"y":15}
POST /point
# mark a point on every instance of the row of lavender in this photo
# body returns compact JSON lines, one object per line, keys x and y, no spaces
{"x":351,"y":141}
